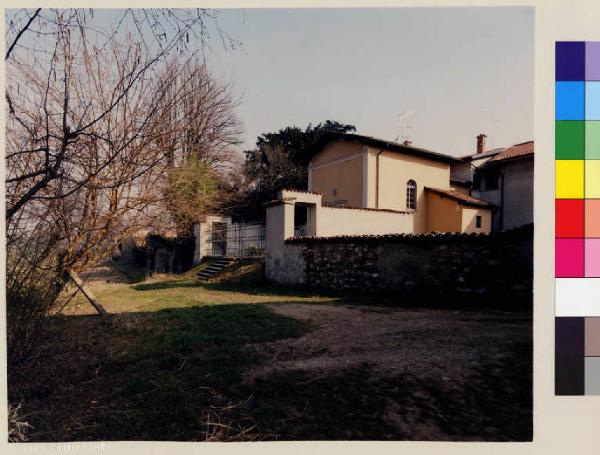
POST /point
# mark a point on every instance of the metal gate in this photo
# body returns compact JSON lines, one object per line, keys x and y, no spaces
{"x":237,"y":240}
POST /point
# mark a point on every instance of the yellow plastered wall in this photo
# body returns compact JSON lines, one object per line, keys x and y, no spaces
{"x":339,"y":167}
{"x":469,"y":218}
{"x":443,"y":214}
{"x":395,"y":170}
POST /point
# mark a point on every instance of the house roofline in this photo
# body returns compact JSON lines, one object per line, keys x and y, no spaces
{"x":381,"y":143}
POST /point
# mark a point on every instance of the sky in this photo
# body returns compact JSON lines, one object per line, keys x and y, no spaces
{"x":463,"y":71}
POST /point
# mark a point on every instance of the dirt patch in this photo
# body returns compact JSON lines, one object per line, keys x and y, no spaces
{"x":186,"y":368}
{"x":440,"y":343}
{"x":389,"y":374}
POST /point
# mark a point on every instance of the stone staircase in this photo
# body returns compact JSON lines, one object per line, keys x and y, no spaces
{"x":215,"y":266}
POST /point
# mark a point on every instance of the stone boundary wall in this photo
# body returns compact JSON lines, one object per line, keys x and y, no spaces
{"x":496,"y":267}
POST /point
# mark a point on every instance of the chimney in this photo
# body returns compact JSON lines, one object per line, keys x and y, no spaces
{"x":481,"y":143}
{"x":407,"y":142}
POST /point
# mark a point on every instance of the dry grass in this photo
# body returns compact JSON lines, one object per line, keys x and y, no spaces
{"x":119,"y":293}
{"x":17,"y":427}
{"x":184,"y":360}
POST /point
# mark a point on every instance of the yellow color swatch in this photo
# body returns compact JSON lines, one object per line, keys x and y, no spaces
{"x":569,"y":179}
{"x":592,"y":179}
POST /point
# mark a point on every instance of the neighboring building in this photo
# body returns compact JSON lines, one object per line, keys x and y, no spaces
{"x":350,"y":170}
{"x":503,"y":177}
{"x":360,"y":186}
{"x":464,"y":169}
{"x":506,"y":180}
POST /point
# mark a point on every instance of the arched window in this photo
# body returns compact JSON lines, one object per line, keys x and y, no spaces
{"x":411,"y":195}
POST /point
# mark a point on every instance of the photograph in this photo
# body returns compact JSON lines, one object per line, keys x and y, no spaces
{"x":269,"y":224}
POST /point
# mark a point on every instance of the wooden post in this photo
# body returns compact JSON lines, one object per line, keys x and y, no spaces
{"x":87,"y":293}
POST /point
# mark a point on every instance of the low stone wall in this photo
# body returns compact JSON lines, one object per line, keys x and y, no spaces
{"x":495,"y":266}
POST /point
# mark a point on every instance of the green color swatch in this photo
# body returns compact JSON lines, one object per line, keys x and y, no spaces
{"x":592,"y":140}
{"x":570,"y":140}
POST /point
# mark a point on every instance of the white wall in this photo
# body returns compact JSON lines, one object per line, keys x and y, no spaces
{"x":332,"y":221}
{"x":327,"y":221}
{"x":322,"y":222}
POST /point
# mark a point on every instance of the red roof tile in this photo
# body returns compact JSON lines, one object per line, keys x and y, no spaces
{"x":515,"y":151}
{"x":460,"y":197}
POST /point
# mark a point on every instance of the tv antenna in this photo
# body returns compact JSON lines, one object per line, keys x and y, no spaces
{"x":402,"y":116}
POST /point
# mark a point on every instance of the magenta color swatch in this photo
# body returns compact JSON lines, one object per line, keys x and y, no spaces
{"x":592,"y":258}
{"x":569,"y":258}
{"x":592,"y":61}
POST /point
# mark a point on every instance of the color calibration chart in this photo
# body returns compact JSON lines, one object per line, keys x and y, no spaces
{"x":577,"y":248}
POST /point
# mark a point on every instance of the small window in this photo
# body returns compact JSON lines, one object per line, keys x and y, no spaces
{"x":478,"y":221}
{"x":335,"y":191}
{"x":411,"y":195}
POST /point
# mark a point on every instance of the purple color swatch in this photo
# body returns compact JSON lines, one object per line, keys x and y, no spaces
{"x":592,"y":61}
{"x":570,"y":61}
{"x":569,"y":336}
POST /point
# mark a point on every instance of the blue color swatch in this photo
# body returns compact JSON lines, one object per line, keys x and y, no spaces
{"x":592,"y":100}
{"x":570,"y":100}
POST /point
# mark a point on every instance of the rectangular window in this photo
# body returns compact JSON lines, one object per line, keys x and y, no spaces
{"x":478,"y":221}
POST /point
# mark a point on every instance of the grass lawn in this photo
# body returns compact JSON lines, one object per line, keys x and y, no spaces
{"x":184,"y":360}
{"x":121,"y":293}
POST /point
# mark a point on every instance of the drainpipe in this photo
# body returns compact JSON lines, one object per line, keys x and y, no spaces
{"x":377,"y":178}
{"x":501,"y":200}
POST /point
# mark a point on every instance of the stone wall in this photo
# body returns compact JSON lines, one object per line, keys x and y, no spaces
{"x":494,"y":267}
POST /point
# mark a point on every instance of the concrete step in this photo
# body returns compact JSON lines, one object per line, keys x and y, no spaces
{"x":214,"y":267}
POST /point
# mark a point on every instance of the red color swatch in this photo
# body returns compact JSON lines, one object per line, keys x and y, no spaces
{"x":570,"y":219}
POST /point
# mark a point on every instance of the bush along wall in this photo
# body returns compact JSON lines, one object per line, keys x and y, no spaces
{"x":497,"y":268}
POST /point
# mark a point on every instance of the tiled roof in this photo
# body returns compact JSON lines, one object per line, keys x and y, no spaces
{"x":301,"y":191}
{"x":388,"y":145}
{"x":460,"y":181}
{"x":460,"y":197}
{"x":388,"y":237}
{"x":474,"y":156}
{"x":333,"y":206}
{"x":525,"y":231}
{"x":515,"y":151}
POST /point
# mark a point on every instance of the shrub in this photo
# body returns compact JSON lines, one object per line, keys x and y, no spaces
{"x":32,"y":292}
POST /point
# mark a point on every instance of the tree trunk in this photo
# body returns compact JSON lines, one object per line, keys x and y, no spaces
{"x":87,"y":293}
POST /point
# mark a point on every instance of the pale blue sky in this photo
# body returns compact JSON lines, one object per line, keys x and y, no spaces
{"x":462,"y":70}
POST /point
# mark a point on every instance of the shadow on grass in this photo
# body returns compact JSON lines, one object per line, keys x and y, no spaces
{"x":130,"y":273}
{"x":167,"y":284}
{"x":492,"y":403}
{"x":265,"y":288}
{"x":178,"y":374}
{"x":143,"y":376}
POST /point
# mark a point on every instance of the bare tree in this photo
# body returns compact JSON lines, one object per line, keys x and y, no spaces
{"x":96,"y":115}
